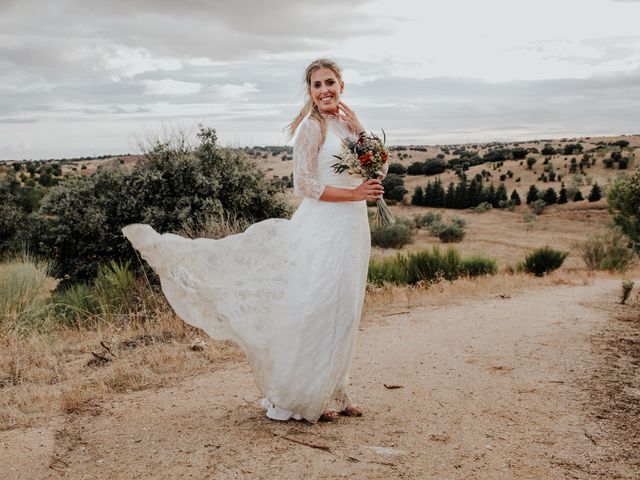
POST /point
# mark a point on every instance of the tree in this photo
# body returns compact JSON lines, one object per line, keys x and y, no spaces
{"x":519,"y":153}
{"x":394,"y":187}
{"x":623,"y":198}
{"x":550,"y":196}
{"x":501,"y":194}
{"x":548,"y":150}
{"x":397,"y":168}
{"x":562,"y":197}
{"x":418,"y":196}
{"x":434,"y":166}
{"x":78,"y":225}
{"x":531,"y":162}
{"x":532,"y":194}
{"x":595,"y":194}
{"x":578,"y":197}
{"x":515,"y":198}
{"x":450,"y":196}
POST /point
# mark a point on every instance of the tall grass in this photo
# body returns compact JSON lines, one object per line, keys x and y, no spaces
{"x":606,"y":252}
{"x":112,"y":294}
{"x":22,"y":293}
{"x":428,"y":266}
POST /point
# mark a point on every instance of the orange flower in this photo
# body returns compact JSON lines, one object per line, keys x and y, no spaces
{"x":365,"y":158}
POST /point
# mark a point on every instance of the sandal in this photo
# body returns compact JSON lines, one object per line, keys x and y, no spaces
{"x":351,"y":411}
{"x":329,"y":416}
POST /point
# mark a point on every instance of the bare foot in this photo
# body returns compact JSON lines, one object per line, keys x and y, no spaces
{"x":351,"y":411}
{"x":329,"y":416}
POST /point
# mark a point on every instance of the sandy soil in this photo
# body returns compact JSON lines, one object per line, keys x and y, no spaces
{"x":492,"y":388}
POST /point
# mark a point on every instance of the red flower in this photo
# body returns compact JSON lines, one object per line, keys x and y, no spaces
{"x":366,"y":158}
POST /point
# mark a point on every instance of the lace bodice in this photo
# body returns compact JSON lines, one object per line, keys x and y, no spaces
{"x":312,"y":161}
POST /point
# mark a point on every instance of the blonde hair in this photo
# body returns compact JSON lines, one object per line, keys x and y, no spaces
{"x":310,"y":106}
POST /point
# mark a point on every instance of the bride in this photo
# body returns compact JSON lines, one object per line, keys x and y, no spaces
{"x":288,"y":292}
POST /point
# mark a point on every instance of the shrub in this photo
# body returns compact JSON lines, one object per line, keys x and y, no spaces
{"x":606,"y":252}
{"x":397,"y":168}
{"x":22,"y":280}
{"x":451,"y":233}
{"x":394,"y":236}
{"x":627,"y":286}
{"x":74,"y":305}
{"x":79,"y":223}
{"x":623,"y":198}
{"x":428,"y":266}
{"x":394,"y":187}
{"x":434,"y":166}
{"x":426,"y":219}
{"x":479,"y":265}
{"x":482,"y":207}
{"x":538,"y":206}
{"x":543,"y":260}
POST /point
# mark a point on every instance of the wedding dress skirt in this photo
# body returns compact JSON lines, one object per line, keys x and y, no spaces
{"x":288,"y":292}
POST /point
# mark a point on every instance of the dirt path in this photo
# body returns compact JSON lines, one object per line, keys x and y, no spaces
{"x":492,"y":389}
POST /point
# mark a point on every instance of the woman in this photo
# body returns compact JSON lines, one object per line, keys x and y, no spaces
{"x":288,"y":292}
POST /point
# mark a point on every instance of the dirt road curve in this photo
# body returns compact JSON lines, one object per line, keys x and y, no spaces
{"x":492,"y":389}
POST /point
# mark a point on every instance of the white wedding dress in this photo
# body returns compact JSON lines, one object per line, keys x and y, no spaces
{"x":288,"y":292}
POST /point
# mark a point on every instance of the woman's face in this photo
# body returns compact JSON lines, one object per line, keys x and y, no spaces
{"x":325,"y":90}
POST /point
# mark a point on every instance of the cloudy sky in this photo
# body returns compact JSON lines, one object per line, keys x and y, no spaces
{"x":95,"y":77}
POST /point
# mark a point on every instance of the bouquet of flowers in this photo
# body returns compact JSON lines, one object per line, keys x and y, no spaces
{"x":365,"y":156}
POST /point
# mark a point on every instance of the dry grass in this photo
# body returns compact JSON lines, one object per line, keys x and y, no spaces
{"x":68,"y":370}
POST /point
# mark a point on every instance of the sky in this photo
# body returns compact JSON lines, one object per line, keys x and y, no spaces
{"x":82,"y":78}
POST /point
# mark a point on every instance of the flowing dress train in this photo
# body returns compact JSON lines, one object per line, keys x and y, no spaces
{"x":288,"y":292}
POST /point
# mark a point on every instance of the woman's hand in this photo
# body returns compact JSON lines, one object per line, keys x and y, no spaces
{"x":368,"y":190}
{"x":349,"y":116}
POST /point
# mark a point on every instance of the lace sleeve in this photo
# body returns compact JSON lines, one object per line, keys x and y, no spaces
{"x":305,"y":160}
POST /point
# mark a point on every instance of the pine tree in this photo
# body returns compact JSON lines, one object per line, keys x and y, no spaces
{"x":550,"y":196}
{"x":501,"y":194}
{"x":462,"y":196}
{"x":515,"y":198}
{"x":562,"y":198}
{"x":475,"y":192}
{"x":418,"y":196}
{"x":438,"y":193}
{"x":595,"y":194}
{"x":532,"y":194}
{"x":429,"y":195}
{"x":578,"y":197}
{"x":450,"y":196}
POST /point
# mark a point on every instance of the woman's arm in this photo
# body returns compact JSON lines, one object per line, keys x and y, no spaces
{"x":368,"y":190}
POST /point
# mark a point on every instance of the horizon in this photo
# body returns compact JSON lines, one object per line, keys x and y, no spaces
{"x":451,"y":74}
{"x":506,"y":142}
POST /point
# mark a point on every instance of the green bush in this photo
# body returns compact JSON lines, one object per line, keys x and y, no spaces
{"x":543,"y":260}
{"x":74,"y":305}
{"x":79,"y":223}
{"x":426,"y":219}
{"x":479,"y":265}
{"x":394,"y":236}
{"x":428,"y":266}
{"x":394,"y":187}
{"x":623,"y":198}
{"x":451,"y":233}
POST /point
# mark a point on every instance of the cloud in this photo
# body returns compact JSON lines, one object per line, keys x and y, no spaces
{"x":170,"y":87}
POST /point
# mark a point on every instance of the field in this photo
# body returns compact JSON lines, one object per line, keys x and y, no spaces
{"x":506,"y":376}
